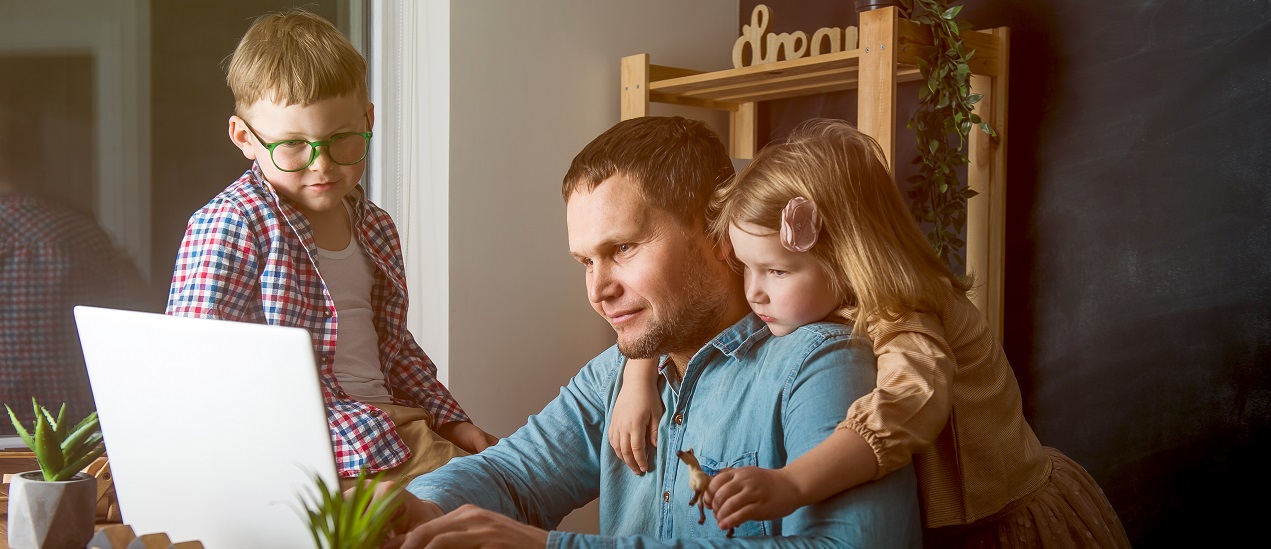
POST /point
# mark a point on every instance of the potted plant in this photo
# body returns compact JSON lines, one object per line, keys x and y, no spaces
{"x":944,"y":118}
{"x":352,"y":519}
{"x":867,"y":5}
{"x":941,"y":124}
{"x":55,"y":506}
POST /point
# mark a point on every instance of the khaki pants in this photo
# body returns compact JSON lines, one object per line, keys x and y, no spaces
{"x":428,"y":450}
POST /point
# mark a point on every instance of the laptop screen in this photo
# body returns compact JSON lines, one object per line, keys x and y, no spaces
{"x":213,"y":428}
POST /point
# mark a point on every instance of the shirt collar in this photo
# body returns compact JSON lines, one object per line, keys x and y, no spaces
{"x":739,"y":337}
{"x":733,"y":342}
{"x":291,"y":214}
{"x":354,"y":198}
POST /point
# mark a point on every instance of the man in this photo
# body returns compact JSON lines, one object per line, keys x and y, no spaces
{"x":636,"y":200}
{"x":52,"y":258}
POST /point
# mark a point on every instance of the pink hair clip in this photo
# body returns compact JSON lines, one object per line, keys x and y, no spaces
{"x":800,"y":224}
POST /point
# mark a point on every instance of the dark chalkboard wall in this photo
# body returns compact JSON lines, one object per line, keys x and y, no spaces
{"x":1138,"y":266}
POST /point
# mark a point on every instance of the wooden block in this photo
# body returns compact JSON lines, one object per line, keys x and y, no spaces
{"x":121,"y":536}
{"x":115,"y":536}
{"x":107,"y":502}
{"x":151,"y":541}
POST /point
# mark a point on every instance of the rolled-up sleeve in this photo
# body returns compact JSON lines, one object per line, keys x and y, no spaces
{"x":540,"y":473}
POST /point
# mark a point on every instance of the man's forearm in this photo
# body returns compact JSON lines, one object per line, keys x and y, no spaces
{"x":469,"y":480}
{"x":585,"y":541}
{"x":540,"y":473}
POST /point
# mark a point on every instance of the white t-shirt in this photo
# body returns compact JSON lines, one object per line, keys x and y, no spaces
{"x":349,"y":275}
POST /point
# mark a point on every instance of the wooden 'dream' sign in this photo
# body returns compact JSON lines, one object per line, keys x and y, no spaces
{"x":766,"y":47}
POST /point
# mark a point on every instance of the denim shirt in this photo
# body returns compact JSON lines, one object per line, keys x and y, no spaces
{"x":747,"y":398}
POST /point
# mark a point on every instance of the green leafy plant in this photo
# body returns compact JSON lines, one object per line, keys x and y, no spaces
{"x":60,"y":449}
{"x":945,"y":104}
{"x":350,"y":520}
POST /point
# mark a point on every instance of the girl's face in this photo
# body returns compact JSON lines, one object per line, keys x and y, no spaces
{"x":786,"y":289}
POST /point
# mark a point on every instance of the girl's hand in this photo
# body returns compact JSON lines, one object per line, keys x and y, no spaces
{"x":633,"y":429}
{"x":751,"y":493}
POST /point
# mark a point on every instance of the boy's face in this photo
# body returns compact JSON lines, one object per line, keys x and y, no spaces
{"x":321,"y":186}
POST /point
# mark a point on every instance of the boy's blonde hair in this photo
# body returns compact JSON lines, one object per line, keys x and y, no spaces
{"x":879,"y":263}
{"x":294,"y":57}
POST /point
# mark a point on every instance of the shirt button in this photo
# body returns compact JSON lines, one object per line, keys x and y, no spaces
{"x":679,"y":419}
{"x":327,"y":313}
{"x":666,"y":496}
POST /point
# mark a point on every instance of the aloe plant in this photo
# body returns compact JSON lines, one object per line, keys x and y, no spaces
{"x":352,"y":519}
{"x":60,"y":449}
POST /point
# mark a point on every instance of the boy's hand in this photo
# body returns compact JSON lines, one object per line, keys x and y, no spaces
{"x":467,"y":436}
{"x":635,"y":423}
{"x":751,"y":493}
{"x":411,"y":513}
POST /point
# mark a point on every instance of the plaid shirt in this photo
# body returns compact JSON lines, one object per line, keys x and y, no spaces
{"x":249,"y":255}
{"x":51,"y":259}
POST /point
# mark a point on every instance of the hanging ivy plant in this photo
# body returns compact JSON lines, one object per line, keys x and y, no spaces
{"x":945,"y":105}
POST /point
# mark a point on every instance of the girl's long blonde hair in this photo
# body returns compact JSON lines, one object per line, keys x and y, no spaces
{"x":879,"y":263}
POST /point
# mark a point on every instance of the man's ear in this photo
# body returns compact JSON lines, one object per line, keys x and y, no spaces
{"x":241,"y":137}
{"x":724,"y":249}
{"x":370,"y":116}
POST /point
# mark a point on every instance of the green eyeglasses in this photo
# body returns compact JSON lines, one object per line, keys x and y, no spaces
{"x":293,"y":155}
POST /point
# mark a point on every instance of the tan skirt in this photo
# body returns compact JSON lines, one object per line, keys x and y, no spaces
{"x":427,"y":448}
{"x":1069,"y":510}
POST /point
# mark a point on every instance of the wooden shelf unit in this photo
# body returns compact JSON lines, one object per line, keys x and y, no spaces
{"x":886,"y":57}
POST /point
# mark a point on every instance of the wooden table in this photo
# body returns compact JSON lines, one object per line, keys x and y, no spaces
{"x":12,"y":463}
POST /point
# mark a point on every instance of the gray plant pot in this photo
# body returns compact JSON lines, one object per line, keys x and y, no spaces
{"x":49,"y":515}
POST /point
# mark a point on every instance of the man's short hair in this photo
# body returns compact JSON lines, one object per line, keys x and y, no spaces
{"x":676,"y":163}
{"x":294,"y":57}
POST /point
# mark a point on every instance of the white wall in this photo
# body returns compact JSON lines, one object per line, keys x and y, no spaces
{"x":481,"y":105}
{"x":409,"y":172}
{"x":530,"y":84}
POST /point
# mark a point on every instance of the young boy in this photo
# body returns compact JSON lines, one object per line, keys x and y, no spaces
{"x":293,"y":242}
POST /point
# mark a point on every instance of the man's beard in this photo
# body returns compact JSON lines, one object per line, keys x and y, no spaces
{"x":689,"y":322}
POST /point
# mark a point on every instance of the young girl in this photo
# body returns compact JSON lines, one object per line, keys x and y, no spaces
{"x":822,"y":234}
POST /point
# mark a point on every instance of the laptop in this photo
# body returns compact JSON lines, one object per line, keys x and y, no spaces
{"x":214,"y":429}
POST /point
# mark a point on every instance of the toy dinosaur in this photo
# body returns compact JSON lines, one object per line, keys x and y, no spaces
{"x":697,"y":482}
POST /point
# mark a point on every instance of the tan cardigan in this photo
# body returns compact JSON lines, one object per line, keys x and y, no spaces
{"x":947,"y":397}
